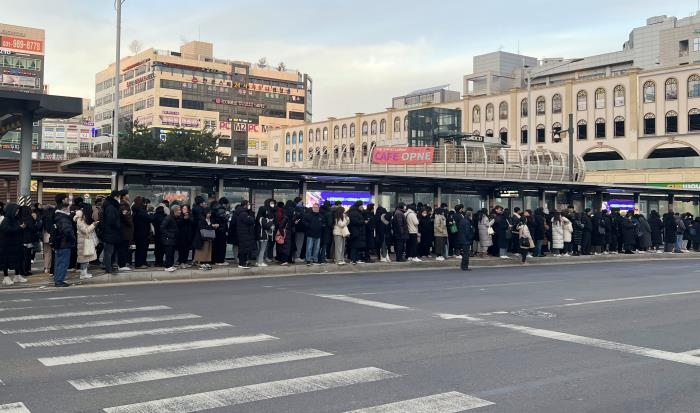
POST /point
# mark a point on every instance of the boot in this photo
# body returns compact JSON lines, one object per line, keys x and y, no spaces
{"x":84,"y":274}
{"x":19,"y":279}
{"x":7,"y":281}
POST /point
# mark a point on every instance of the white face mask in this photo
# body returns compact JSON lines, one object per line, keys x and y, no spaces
{"x":272,"y":205}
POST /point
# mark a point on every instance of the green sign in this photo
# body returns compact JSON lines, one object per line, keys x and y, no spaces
{"x":676,"y":185}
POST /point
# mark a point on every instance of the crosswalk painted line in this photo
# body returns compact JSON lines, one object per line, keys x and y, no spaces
{"x":84,"y":313}
{"x":450,"y":402}
{"x":377,"y":304}
{"x":14,"y":408}
{"x":102,"y":323}
{"x":16,"y":300}
{"x":5,"y":309}
{"x":141,"y":376}
{"x":75,"y":297}
{"x":148,"y":350}
{"x":256,"y":392}
{"x":124,"y":334}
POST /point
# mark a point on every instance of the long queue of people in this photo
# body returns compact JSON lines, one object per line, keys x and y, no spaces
{"x":120,"y":232}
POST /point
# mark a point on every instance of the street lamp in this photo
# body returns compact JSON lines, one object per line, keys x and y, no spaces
{"x":117,"y":69}
{"x":556,"y":138}
{"x":529,"y":106}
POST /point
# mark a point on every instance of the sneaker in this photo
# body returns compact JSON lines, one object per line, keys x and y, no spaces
{"x":659,"y":252}
{"x":221,"y":264}
{"x":19,"y":279}
{"x":341,"y":262}
{"x":203,"y":267}
{"x":459,"y":257}
{"x":183,"y":266}
{"x":318,"y":263}
{"x":505,"y":257}
{"x":85,"y":276}
{"x":529,"y":255}
{"x":285,"y":264}
{"x":416,"y":259}
{"x":127,"y":269}
{"x":605,"y":253}
{"x":171,"y":269}
{"x":360,"y":262}
{"x":61,"y":284}
{"x":7,"y":281}
{"x":308,"y":263}
{"x":262,"y":264}
{"x":440,"y":259}
{"x":244,"y":267}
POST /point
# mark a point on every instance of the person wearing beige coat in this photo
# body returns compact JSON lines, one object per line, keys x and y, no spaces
{"x":440,"y":227}
{"x":87,"y":239}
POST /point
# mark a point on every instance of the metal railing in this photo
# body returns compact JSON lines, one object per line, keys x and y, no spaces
{"x":478,"y":161}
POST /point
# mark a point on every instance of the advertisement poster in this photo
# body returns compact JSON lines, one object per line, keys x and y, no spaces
{"x":412,"y":155}
{"x":347,"y":198}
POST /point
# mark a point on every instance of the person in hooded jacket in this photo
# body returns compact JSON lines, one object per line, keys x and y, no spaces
{"x":400,"y":231}
{"x":464,"y":239}
{"x":670,"y":228}
{"x":644,"y":240}
{"x":426,"y":229}
{"x":264,"y":229}
{"x":441,"y":235}
{"x":283,"y":228}
{"x":245,"y":227}
{"x":358,"y":237}
{"x":220,"y":215}
{"x":142,"y":229}
{"x":370,"y":231}
{"x":383,"y":233}
{"x":484,"y":222}
{"x":412,"y":243}
{"x":326,"y":232}
{"x":11,"y":244}
{"x":85,"y":236}
{"x":657,"y":230}
{"x":629,"y":234}
{"x":168,"y":232}
{"x":202,"y":247}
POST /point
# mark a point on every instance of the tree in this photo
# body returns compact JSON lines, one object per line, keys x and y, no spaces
{"x":179,"y":145}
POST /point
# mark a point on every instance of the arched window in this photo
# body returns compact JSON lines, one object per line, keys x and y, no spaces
{"x":619,"y":95}
{"x":365,"y":149}
{"x":671,"y":121}
{"x":318,"y":150}
{"x":397,"y":124}
{"x":556,"y":103}
{"x":582,"y":100}
{"x":311,"y":135}
{"x":476,"y":133}
{"x":336,"y":132}
{"x":489,"y":112}
{"x":503,"y":111}
{"x":600,"y":128}
{"x":582,"y":130}
{"x":336,"y":152}
{"x":373,"y":128}
{"x":476,"y":114}
{"x":523,"y":135}
{"x":325,"y":134}
{"x":489,"y":133}
{"x":345,"y":131}
{"x":382,"y":126}
{"x":619,"y":129}
{"x":294,"y":138}
{"x":288,"y":138}
{"x":405,"y":123}
{"x":541,"y":105}
{"x":365,"y":128}
{"x":301,"y":136}
{"x":694,"y":120}
{"x":503,"y":134}
{"x":600,"y":98}
{"x":649,"y":92}
{"x":352,"y":151}
{"x":694,"y":86}
{"x":325,"y":151}
{"x":671,"y":89}
{"x":318,"y":134}
{"x":287,"y":156}
{"x":650,"y":124}
{"x":540,"y":134}
{"x":294,"y":156}
{"x":524,"y":108}
{"x":352,"y":130}
{"x":301,"y":155}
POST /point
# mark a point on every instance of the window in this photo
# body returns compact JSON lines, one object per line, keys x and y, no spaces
{"x":489,"y":112}
{"x":365,"y":128}
{"x":405,"y":123}
{"x":696,"y":44}
{"x":397,"y":124}
{"x":476,"y":114}
{"x":365,"y":150}
{"x":649,"y":92}
{"x":503,"y":111}
{"x":600,"y":128}
{"x":373,"y":128}
{"x":582,"y":100}
{"x":287,"y":156}
{"x":301,"y":155}
{"x":650,"y":124}
{"x":503,"y":133}
{"x":523,"y":135}
{"x":294,"y":138}
{"x":540,"y":105}
{"x":169,"y":103}
{"x":344,"y":131}
{"x":476,"y":133}
{"x":556,"y":103}
{"x":682,"y":48}
{"x":540,"y":134}
{"x":352,"y":130}
{"x":311,"y":135}
{"x":671,"y":121}
{"x":619,"y":95}
{"x":294,"y":156}
{"x":382,"y":126}
{"x":325,"y":134}
{"x":336,"y":132}
{"x":288,"y":139}
{"x":694,"y":120}
{"x":523,"y":108}
{"x":694,"y":86}
{"x":600,"y":98}
{"x":336,"y":152}
{"x":582,"y":130}
{"x":301,"y":136}
{"x":671,"y":89}
{"x":352,"y":151}
{"x":489,"y":133}
{"x":619,"y":129}
{"x":318,"y":134}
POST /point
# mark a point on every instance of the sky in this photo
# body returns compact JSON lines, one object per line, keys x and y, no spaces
{"x":359,"y":53}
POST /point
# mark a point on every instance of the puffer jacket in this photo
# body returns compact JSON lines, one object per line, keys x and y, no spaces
{"x":557,"y":235}
{"x":440,"y":226}
{"x":338,"y":227}
{"x":412,"y":220}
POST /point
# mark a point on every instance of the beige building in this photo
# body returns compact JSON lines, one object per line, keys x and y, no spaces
{"x":193,"y":89}
{"x":63,"y":139}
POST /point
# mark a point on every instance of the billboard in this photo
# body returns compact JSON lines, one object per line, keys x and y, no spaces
{"x":412,"y":155}
{"x":347,"y":198}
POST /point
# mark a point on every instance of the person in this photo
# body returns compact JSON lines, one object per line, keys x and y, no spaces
{"x":568,"y":234}
{"x":185,"y":234}
{"x":358,"y":237}
{"x":670,"y":228}
{"x":587,"y":232}
{"x":158,"y":250}
{"x":680,"y":230}
{"x":400,"y":230}
{"x":501,"y":228}
{"x":299,"y":229}
{"x":245,"y":228}
{"x":326,"y":232}
{"x":485,"y":225}
{"x":412,"y":242}
{"x":615,"y":232}
{"x":441,"y":235}
{"x":557,"y":234}
{"x":142,"y":229}
{"x":28,"y":237}
{"x":577,"y":235}
{"x":370,"y":231}
{"x":597,"y":233}
{"x":457,"y":216}
{"x":539,"y":234}
{"x":695,"y":234}
{"x":629,"y":234}
{"x":168,"y":232}
{"x":313,"y":227}
{"x":86,"y":239}
{"x":656,"y":226}
{"x":202,"y":246}
{"x":383,"y":232}
{"x":47,"y":221}
{"x":526,"y":241}
{"x":283,"y":233}
{"x":645,"y":231}
{"x":264,"y":228}
{"x":340,"y":233}
{"x":463,"y":241}
{"x":426,"y":231}
{"x":64,"y":241}
{"x":11,"y":244}
{"x":220,"y":216}
{"x":514,"y":220}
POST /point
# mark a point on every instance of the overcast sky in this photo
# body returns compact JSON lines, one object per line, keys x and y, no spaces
{"x":360,"y":53}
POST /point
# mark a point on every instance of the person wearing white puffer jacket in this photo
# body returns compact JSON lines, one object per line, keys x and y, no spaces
{"x":412,"y":244}
{"x":87,"y":239}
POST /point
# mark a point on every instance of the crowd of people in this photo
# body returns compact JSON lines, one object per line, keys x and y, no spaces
{"x":116,"y":234}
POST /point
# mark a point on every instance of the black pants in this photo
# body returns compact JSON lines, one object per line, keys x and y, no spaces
{"x":243,"y":258}
{"x":141,"y":253}
{"x":412,"y":246}
{"x":73,"y":258}
{"x":26,"y":265}
{"x":451,"y":241}
{"x":400,"y":250}
{"x":219,"y":248}
{"x":586,"y":243}
{"x":158,"y":252}
{"x":169,"y":255}
{"x":122,"y":253}
{"x":464,"y":265}
{"x":523,"y":253}
{"x":108,"y":258}
{"x":183,"y":253}
{"x":98,"y":249}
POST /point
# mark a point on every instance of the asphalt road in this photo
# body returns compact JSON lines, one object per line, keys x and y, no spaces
{"x":610,"y":337}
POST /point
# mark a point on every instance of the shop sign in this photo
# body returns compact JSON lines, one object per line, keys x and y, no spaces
{"x":22,"y":45}
{"x":232,"y":102}
{"x":141,"y":79}
{"x":677,"y":185}
{"x":412,"y":155}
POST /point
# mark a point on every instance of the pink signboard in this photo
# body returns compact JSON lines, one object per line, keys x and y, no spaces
{"x":412,"y":155}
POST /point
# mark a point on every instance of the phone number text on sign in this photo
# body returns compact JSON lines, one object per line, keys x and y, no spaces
{"x":20,"y":44}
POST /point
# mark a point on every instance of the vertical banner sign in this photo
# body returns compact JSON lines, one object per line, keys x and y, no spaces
{"x":412,"y":155}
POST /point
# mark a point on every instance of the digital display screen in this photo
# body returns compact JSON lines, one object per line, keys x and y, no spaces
{"x":623,"y":205}
{"x":347,"y":198}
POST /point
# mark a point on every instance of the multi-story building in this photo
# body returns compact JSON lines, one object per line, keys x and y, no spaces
{"x":63,"y":139}
{"x":241,"y":101}
{"x":434,"y":95}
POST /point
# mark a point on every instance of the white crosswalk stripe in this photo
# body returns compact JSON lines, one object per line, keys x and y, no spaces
{"x":148,"y":350}
{"x":75,"y":297}
{"x":256,"y":392}
{"x":84,"y":313}
{"x":370,"y":303}
{"x":102,"y":323}
{"x":451,"y":402}
{"x":14,"y":408}
{"x":124,"y":334}
{"x":194,"y":369}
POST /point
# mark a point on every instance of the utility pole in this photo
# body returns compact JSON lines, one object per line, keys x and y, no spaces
{"x":117,"y":70}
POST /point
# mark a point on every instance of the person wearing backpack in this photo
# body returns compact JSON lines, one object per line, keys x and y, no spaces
{"x":63,"y":239}
{"x":264,"y":228}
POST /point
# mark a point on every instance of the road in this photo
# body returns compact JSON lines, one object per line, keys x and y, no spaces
{"x":609,"y":337}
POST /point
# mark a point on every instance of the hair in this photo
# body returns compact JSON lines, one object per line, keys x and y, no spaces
{"x":223,"y":201}
{"x":87,"y":214}
{"x":338,"y":214}
{"x":138,"y":203}
{"x":174,"y":208}
{"x":189,"y":210}
{"x":516,"y":210}
{"x":60,"y":198}
{"x":556,"y":217}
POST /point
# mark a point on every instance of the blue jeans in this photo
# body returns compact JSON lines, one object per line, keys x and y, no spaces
{"x":679,"y":242}
{"x":61,"y":266}
{"x":313,"y":245}
{"x":538,"y":247}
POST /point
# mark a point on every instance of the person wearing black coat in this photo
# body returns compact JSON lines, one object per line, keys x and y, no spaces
{"x":327,"y":232}
{"x":28,"y":237}
{"x":501,"y":227}
{"x":142,"y":229}
{"x":587,"y":232}
{"x":313,"y":227}
{"x":168,"y":233}
{"x":657,"y":230}
{"x":695,"y":234}
{"x":629,"y":236}
{"x":383,"y":233}
{"x":245,"y":228}
{"x":400,"y":230}
{"x":159,"y":251}
{"x":11,"y":243}
{"x":111,"y":229}
{"x":670,"y":229}
{"x":426,"y":229}
{"x":185,"y":233}
{"x":370,"y":231}
{"x":539,"y":233}
{"x":358,"y":237}
{"x":220,"y":215}
{"x":464,"y":240}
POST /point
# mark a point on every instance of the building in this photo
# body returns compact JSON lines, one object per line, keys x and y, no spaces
{"x":63,"y":139}
{"x":434,"y":95}
{"x":192,"y":89}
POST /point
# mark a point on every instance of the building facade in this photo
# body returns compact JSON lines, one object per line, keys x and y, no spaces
{"x":241,"y":101}
{"x":63,"y":139}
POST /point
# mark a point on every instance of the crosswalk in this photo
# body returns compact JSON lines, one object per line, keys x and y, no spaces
{"x":121,"y":356}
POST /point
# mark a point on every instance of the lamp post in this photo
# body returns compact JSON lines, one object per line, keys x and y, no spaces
{"x":556,"y":138}
{"x":117,"y":69}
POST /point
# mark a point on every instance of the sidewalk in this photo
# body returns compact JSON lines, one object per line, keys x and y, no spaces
{"x":232,"y":272}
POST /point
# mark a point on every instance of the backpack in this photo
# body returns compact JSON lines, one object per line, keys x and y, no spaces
{"x":279,"y":236}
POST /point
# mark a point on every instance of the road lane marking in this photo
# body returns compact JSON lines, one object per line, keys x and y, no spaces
{"x":14,"y":408}
{"x":614,"y":300}
{"x":75,"y":297}
{"x":377,"y":304}
{"x":103,"y":323}
{"x":256,"y":392}
{"x":148,"y":350}
{"x":123,"y":334}
{"x":84,"y":313}
{"x":588,"y":341}
{"x":141,"y":376}
{"x":450,"y":402}
{"x":4,"y":309}
{"x":17,"y":300}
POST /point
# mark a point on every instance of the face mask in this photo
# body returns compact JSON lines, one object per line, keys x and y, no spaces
{"x":272,"y":205}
